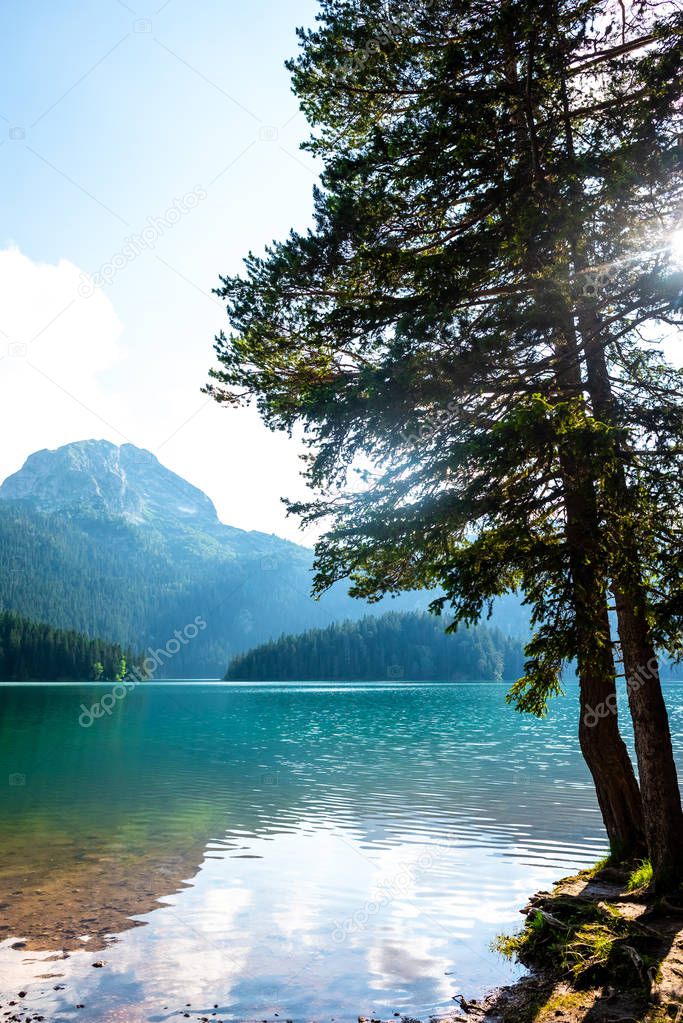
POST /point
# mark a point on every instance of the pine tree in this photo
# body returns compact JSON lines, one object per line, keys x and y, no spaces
{"x":367,"y":649}
{"x":496,"y":174}
{"x":36,"y":651}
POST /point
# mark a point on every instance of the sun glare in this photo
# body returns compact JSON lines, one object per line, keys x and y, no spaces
{"x":676,"y":246}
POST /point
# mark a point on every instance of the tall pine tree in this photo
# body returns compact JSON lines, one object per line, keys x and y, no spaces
{"x":500,"y":185}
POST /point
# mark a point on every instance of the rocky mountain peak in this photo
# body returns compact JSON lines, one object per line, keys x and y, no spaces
{"x":96,"y":476}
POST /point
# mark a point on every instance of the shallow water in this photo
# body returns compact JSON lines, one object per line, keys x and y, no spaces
{"x":315,"y":851}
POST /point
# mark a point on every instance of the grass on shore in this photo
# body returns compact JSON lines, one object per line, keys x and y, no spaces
{"x":640,"y":878}
{"x":596,"y":948}
{"x":583,"y":940}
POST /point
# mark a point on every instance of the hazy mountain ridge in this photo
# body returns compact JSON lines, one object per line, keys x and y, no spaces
{"x":99,"y":479}
{"x":107,"y":541}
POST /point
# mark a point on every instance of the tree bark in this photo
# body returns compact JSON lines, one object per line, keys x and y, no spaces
{"x":663,"y":815}
{"x":656,"y":766}
{"x":660,"y":793}
{"x":601,"y":743}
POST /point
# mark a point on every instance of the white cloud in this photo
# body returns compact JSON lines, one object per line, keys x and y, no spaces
{"x":68,"y":372}
{"x":54,"y":347}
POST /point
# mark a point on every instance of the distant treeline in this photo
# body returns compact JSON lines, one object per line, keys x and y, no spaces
{"x":394,"y":646}
{"x":34,"y":651}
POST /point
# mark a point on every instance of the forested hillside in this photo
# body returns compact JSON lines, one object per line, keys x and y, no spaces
{"x":33,"y":650}
{"x":394,"y":646}
{"x":107,"y":541}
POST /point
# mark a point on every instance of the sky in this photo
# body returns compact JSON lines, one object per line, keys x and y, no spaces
{"x":144,"y":150}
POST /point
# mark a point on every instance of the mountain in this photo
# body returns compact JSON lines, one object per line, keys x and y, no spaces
{"x":107,"y":541}
{"x":409,"y":646}
{"x":125,"y":482}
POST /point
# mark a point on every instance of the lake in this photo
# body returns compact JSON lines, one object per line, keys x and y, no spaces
{"x":289,"y":852}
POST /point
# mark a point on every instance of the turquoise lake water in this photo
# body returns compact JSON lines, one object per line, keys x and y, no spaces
{"x":299,"y":852}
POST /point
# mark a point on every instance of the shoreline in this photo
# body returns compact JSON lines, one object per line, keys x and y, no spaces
{"x":596,"y":952}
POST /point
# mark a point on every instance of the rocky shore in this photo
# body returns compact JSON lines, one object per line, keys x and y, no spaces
{"x":599,"y":950}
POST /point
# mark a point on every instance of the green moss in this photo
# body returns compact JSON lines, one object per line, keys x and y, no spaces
{"x":600,"y":865}
{"x":574,"y":944}
{"x":560,"y":1003}
{"x":591,"y":946}
{"x":641,"y":877}
{"x":577,"y":939}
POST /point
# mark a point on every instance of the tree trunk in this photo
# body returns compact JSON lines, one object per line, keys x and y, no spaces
{"x":656,"y":766}
{"x":661,"y":795}
{"x":601,"y":743}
